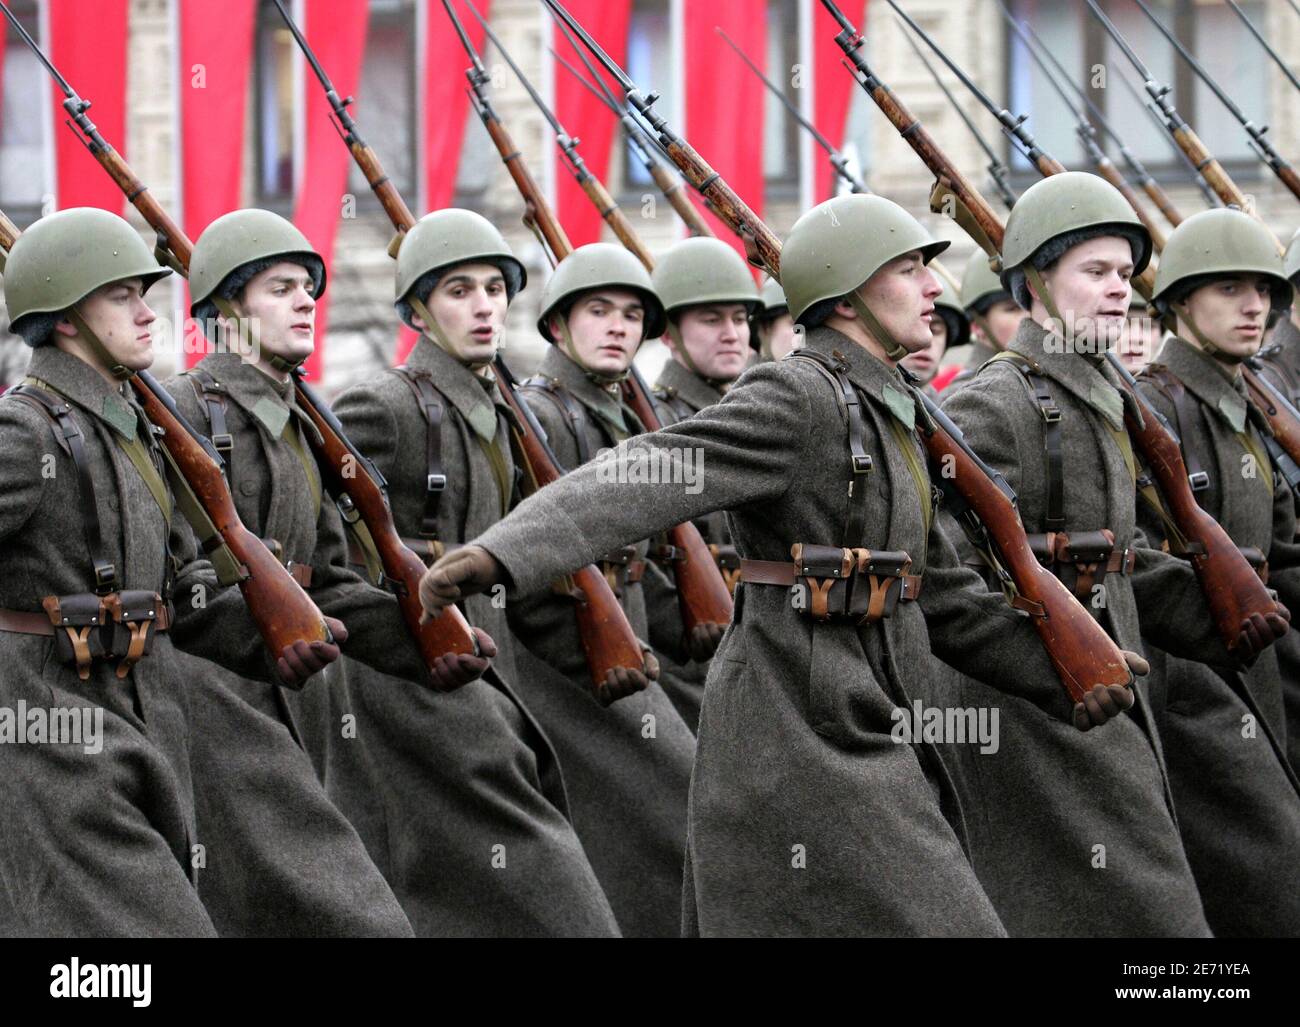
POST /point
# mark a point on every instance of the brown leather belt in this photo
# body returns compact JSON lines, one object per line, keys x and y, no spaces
{"x":782,"y":572}
{"x":39,"y":623}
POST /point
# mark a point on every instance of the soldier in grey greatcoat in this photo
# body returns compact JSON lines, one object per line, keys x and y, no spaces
{"x":458,"y":795}
{"x":995,"y":317}
{"x":1055,"y":813}
{"x":103,"y":840}
{"x":627,"y":766}
{"x":949,"y":327}
{"x":814,"y":809}
{"x":254,"y":283}
{"x":711,"y":303}
{"x":1220,"y":279}
{"x":773,"y":324}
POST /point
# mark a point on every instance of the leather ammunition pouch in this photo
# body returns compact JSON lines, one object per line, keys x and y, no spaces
{"x":832,"y":583}
{"x":1082,"y":559}
{"x":87,"y":628}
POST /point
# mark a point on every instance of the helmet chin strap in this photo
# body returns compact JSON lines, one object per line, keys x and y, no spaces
{"x":893,"y":348}
{"x":1045,"y":296}
{"x":1204,"y":342}
{"x":114,"y":367}
{"x":434,"y":333}
{"x":248,"y":338}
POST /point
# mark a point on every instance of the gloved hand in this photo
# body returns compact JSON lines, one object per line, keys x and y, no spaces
{"x":453,"y":670}
{"x":703,"y":640}
{"x":1259,"y":631}
{"x":462,"y":573}
{"x":300,"y":661}
{"x":1106,"y":702}
{"x":620,"y":682}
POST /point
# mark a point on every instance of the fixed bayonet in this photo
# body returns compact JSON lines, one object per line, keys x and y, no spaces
{"x":1259,"y":38}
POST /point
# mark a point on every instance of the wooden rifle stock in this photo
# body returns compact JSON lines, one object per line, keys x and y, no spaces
{"x":1107,"y":170}
{"x":1232,"y":589}
{"x":1082,"y":653}
{"x":282,"y":611}
{"x":676,"y":195}
{"x":537,"y":214}
{"x":347,"y":474}
{"x":1161,"y":199}
{"x":613,"y":215}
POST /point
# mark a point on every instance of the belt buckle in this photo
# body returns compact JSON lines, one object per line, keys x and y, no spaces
{"x":1199,"y":481}
{"x":437,"y":482}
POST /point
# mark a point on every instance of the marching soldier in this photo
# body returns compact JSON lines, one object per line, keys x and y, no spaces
{"x":106,"y":843}
{"x":626,"y":766}
{"x":1220,"y":281}
{"x":458,"y":795}
{"x":949,"y":327}
{"x":812,"y":811}
{"x":1281,"y":356}
{"x":712,"y":307}
{"x":773,"y":323}
{"x":994,"y":316}
{"x":1054,"y":812}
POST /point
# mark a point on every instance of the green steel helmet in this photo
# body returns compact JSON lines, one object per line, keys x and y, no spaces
{"x":63,"y":258}
{"x":1214,"y":244}
{"x":773,"y":299}
{"x":703,"y":270}
{"x":980,"y":285}
{"x":1292,"y":259}
{"x":601,"y":265}
{"x":1060,"y":212}
{"x":949,"y":307}
{"x":442,"y":240}
{"x":239,"y":246}
{"x":839,"y":244}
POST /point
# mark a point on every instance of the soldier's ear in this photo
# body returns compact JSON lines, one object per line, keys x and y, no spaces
{"x":843,"y":308}
{"x":65,"y":328}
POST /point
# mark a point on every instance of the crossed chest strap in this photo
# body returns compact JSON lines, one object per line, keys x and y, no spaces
{"x":435,"y":480}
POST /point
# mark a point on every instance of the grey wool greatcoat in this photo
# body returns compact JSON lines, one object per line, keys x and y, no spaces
{"x":1074,"y":834}
{"x":458,"y":796}
{"x":1280,"y":361}
{"x":106,"y":843}
{"x":627,"y":767}
{"x":679,"y":394}
{"x":811,"y":813}
{"x":1238,"y":808}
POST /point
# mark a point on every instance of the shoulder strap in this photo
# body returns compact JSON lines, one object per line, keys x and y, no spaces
{"x":212,"y":394}
{"x":570,"y":408}
{"x":1052,"y":446}
{"x":859,"y":460}
{"x":669,"y":397}
{"x":430,"y":404}
{"x":1184,"y":417}
{"x":59,"y":412}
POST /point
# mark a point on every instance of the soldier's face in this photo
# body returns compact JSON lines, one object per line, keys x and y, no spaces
{"x":716,"y":337}
{"x":901,"y":295}
{"x":925,"y":363}
{"x":1092,"y":286}
{"x":606,"y":327}
{"x":469,"y":303}
{"x":120,"y":319}
{"x":281,"y":305}
{"x":1003,"y":319}
{"x":779,"y":334}
{"x":1138,"y":344}
{"x":1231,"y":313}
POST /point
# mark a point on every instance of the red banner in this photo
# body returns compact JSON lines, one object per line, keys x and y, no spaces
{"x":336,"y":31}
{"x":446,"y":108}
{"x":91,"y":52}
{"x":585,"y":116}
{"x":216,"y":52}
{"x":833,"y":86}
{"x":724,"y":99}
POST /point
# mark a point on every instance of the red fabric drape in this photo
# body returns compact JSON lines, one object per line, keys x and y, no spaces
{"x":585,"y":116}
{"x":91,"y":52}
{"x":833,"y":85}
{"x":724,"y":100}
{"x":446,"y":108}
{"x":216,"y":51}
{"x":336,"y":31}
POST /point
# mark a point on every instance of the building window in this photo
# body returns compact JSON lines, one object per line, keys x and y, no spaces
{"x":780,"y":131}
{"x":1206,"y":28}
{"x":276,"y":110}
{"x":650,"y":64}
{"x":23,"y":124}
{"x":386,"y":99}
